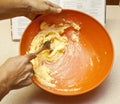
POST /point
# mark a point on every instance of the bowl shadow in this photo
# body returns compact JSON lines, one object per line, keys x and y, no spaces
{"x":40,"y":96}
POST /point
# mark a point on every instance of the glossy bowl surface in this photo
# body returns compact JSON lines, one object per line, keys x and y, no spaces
{"x":93,"y":63}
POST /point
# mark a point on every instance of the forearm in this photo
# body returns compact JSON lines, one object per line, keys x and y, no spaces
{"x":12,"y":8}
{"x":4,"y":89}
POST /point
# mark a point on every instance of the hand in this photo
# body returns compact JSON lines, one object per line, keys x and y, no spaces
{"x":17,"y":71}
{"x":27,"y":8}
{"x":36,"y":7}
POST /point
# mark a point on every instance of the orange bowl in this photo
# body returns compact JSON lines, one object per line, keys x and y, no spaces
{"x":85,"y":69}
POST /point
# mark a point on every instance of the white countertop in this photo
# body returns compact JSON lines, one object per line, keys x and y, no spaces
{"x":107,"y":93}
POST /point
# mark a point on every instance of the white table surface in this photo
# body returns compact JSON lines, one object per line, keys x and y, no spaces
{"x":107,"y":93}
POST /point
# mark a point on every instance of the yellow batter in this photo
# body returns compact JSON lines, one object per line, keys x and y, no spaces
{"x":58,"y":45}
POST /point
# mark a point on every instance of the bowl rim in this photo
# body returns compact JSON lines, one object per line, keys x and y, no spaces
{"x":96,"y":85}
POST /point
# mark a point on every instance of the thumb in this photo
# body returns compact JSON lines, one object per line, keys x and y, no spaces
{"x":31,"y":56}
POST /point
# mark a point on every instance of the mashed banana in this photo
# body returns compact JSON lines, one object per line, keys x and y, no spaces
{"x":58,"y":45}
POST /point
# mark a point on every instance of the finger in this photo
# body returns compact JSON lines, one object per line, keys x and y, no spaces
{"x":52,"y":4}
{"x":32,"y":16}
{"x":24,"y":77}
{"x":28,"y":80}
{"x":31,"y":75}
{"x":53,"y":7}
{"x":30,"y":56}
{"x":28,"y":76}
{"x":24,"y":84}
{"x":54,"y":10}
{"x":29,"y":68}
{"x":24,"y":81}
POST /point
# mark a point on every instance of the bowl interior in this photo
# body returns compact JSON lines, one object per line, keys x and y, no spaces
{"x":92,"y":65}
